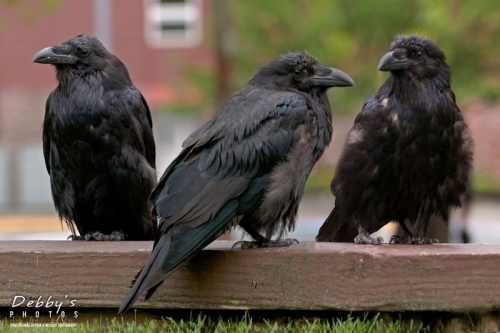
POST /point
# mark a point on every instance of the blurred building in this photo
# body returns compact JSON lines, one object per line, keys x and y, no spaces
{"x":156,"y":39}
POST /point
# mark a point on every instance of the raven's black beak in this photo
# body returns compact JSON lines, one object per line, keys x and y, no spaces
{"x":390,"y":63}
{"x":55,"y":55}
{"x":331,"y":77}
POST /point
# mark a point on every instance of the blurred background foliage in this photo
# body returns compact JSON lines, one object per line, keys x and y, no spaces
{"x":352,"y":35}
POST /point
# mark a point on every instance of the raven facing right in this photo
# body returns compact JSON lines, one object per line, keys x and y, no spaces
{"x":408,"y":155}
{"x":246,"y":166}
{"x":98,"y":144}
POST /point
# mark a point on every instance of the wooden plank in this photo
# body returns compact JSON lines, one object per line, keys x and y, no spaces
{"x":310,"y":276}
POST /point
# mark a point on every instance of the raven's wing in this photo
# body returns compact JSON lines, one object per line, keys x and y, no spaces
{"x":131,"y":101}
{"x":147,"y":125}
{"x":249,"y":135}
{"x":219,"y":176}
{"x":357,"y":166}
{"x":46,"y":130}
{"x":363,"y":147}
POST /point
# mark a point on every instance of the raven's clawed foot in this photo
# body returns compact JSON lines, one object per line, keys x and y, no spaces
{"x":75,"y":238}
{"x":363,"y":237}
{"x":245,"y":244}
{"x":280,"y":243}
{"x":409,"y":239}
{"x":268,"y":243}
{"x":99,"y":236}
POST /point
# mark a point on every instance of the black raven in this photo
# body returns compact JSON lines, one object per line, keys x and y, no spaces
{"x":408,"y":155}
{"x":246,"y":166}
{"x":98,"y":144}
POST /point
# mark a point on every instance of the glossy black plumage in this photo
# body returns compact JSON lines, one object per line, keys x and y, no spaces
{"x":246,"y":166}
{"x":408,"y":155}
{"x":98,"y":143}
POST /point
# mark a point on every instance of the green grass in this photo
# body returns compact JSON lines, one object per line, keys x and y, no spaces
{"x":204,"y":324}
{"x":319,"y":180}
{"x":485,"y":184}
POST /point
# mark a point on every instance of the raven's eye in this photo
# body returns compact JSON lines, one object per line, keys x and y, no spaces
{"x":297,"y":72}
{"x":84,"y":51}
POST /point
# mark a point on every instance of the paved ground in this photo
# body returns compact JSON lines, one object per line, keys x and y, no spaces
{"x":484,"y":223}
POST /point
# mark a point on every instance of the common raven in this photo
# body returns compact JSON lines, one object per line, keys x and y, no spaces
{"x":246,"y":166}
{"x":98,"y":144}
{"x":408,"y":155}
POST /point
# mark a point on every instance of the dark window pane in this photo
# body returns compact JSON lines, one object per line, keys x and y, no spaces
{"x":172,"y":1}
{"x":179,"y":26}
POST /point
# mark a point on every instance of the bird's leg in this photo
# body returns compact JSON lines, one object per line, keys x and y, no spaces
{"x":363,"y":237}
{"x":408,"y":238}
{"x":261,"y":241}
{"x":99,"y":236}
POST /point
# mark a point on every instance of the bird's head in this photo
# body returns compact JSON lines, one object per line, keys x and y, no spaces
{"x":300,"y":71}
{"x":80,"y":52}
{"x":415,"y":55}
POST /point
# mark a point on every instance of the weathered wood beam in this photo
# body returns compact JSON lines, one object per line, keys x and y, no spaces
{"x":310,"y":276}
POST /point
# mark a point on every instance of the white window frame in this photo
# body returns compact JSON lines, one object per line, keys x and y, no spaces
{"x":188,"y":13}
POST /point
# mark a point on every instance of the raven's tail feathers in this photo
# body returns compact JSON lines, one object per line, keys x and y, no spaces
{"x":336,"y":229}
{"x":151,"y":276}
{"x":325,"y":230}
{"x":174,"y":247}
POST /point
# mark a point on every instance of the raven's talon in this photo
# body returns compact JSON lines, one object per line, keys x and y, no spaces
{"x":99,"y":236}
{"x":287,"y":242}
{"x":280,"y":243}
{"x":75,"y":238}
{"x":363,"y":237}
{"x":396,"y":240}
{"x":276,"y":243}
{"x":427,"y":241}
{"x":408,"y":239}
{"x":89,"y":236}
{"x":368,"y":240}
{"x":117,"y":236}
{"x":245,"y":245}
{"x":405,"y":239}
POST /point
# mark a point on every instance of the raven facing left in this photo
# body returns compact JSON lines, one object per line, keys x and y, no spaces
{"x":98,"y":144}
{"x":246,"y":166}
{"x":408,"y":155}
